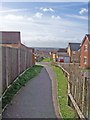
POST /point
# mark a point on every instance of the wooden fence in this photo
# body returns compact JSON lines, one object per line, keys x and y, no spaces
{"x":78,"y":88}
{"x":14,"y":62}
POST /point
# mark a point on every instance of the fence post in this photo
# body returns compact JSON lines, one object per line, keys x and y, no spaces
{"x":1,"y":71}
{"x":18,"y":61}
{"x":83,"y":95}
{"x":69,"y":101}
{"x":7,"y":67}
{"x":77,"y":90}
{"x":88,"y":97}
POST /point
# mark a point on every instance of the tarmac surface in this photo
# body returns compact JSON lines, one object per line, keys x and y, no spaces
{"x":34,"y":100}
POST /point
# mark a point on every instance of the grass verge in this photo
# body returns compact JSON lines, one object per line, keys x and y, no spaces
{"x":20,"y":81}
{"x":46,"y":60}
{"x":85,"y":70}
{"x":66,"y":111}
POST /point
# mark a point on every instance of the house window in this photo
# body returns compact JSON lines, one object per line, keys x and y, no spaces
{"x":85,"y":47}
{"x":85,"y":60}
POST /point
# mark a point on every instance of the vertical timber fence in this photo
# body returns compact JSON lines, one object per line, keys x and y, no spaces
{"x":78,"y":89}
{"x":14,"y":62}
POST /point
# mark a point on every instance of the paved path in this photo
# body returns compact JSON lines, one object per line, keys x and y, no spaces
{"x":52,"y":76}
{"x":34,"y":100}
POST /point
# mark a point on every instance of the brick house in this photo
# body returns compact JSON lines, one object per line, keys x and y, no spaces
{"x":85,"y":52}
{"x":74,"y":52}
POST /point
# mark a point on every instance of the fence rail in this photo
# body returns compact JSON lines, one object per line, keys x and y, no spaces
{"x":14,"y":62}
{"x":78,"y":88}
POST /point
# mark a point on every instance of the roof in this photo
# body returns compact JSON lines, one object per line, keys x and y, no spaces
{"x":63,"y":55}
{"x":10,"y":37}
{"x":88,"y":36}
{"x":62,"y":50}
{"x":53,"y":51}
{"x":74,"y":46}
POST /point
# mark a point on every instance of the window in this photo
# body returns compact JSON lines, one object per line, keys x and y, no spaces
{"x":85,"y":47}
{"x":85,"y":60}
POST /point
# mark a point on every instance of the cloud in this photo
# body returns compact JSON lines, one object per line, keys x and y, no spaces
{"x":12,"y":10}
{"x":38,"y":15}
{"x":30,"y":19}
{"x":78,"y":17}
{"x":44,"y":32}
{"x":13,"y":17}
{"x":83,"y":10}
{"x":51,"y":31}
{"x":47,"y":9}
{"x":56,"y":17}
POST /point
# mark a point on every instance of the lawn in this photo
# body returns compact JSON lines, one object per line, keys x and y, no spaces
{"x":66,"y":111}
{"x":86,"y":70}
{"x":46,"y":60}
{"x":19,"y":82}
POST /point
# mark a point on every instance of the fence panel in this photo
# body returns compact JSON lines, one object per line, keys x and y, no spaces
{"x":80,"y":87}
{"x":14,"y":62}
{"x":4,"y":84}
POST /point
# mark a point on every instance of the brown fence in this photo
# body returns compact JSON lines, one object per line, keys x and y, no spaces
{"x":79,"y":85}
{"x":14,"y":62}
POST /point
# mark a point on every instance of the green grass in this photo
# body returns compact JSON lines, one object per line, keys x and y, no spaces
{"x":21,"y":81}
{"x":66,"y":111}
{"x":86,"y":70}
{"x":46,"y":60}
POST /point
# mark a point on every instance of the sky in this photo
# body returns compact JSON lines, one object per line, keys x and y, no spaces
{"x":46,"y":24}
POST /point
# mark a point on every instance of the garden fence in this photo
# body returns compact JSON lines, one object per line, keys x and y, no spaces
{"x":79,"y":83}
{"x":14,"y":62}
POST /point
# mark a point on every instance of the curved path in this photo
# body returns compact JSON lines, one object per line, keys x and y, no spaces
{"x":34,"y":100}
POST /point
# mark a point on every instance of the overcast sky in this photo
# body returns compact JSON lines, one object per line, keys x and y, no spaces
{"x":46,"y":24}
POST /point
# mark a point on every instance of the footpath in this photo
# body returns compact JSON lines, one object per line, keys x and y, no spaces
{"x":37,"y":99}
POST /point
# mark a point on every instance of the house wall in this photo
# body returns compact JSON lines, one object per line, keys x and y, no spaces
{"x":89,"y":54}
{"x":11,"y":38}
{"x":69,"y":51}
{"x":54,"y":57}
{"x":85,"y":54}
{"x":75,"y":56}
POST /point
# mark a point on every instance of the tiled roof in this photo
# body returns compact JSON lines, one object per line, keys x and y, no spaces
{"x":62,"y":50}
{"x":74,"y":46}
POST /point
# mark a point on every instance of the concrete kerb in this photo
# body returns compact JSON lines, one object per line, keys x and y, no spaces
{"x":57,"y":112}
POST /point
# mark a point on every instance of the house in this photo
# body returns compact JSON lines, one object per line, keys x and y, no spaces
{"x":10,"y":39}
{"x":60,"y":55}
{"x":53,"y":55}
{"x":13,"y":39}
{"x":74,"y":52}
{"x":63,"y":55}
{"x":85,"y":52}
